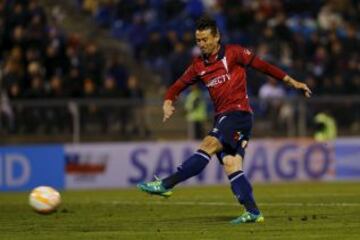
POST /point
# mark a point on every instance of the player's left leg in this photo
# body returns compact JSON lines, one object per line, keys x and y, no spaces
{"x":242,"y":189}
{"x":234,"y":131}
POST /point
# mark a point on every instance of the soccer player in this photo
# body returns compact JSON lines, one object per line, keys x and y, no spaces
{"x":222,"y":68}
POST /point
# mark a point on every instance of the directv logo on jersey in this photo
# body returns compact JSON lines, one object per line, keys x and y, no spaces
{"x":218,"y":80}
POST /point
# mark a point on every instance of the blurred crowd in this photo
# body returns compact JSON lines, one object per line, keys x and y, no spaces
{"x":316,"y":41}
{"x":40,"y":60}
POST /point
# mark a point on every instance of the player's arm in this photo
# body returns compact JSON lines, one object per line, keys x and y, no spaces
{"x":246,"y":58}
{"x":277,"y":73}
{"x":188,"y":78}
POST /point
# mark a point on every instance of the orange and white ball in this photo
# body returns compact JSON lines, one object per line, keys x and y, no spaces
{"x":44,"y":199}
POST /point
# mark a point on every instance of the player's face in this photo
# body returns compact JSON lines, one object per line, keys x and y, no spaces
{"x":207,"y":41}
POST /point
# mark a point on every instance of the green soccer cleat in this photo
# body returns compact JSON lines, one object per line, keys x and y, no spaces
{"x":248,"y":218}
{"x":155,"y":188}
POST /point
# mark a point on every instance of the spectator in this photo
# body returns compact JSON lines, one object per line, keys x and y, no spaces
{"x":271,"y":95}
{"x":12,"y":74}
{"x":93,"y":62}
{"x":113,"y":115}
{"x":138,"y":118}
{"x":7,"y":119}
{"x":179,"y":59}
{"x":57,"y":117}
{"x":116,"y":69}
{"x":35,"y":115}
{"x":326,"y":127}
{"x":90,"y":112}
{"x":196,"y":115}
{"x":75,"y":82}
{"x":14,"y":116}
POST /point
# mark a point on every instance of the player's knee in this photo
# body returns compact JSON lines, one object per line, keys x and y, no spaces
{"x":210,"y":145}
{"x":229,"y":165}
{"x":232,"y":164}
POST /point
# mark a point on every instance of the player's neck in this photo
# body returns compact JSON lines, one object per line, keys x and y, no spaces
{"x":216,"y":50}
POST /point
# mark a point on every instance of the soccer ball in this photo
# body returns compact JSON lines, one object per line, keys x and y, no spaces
{"x":44,"y":199}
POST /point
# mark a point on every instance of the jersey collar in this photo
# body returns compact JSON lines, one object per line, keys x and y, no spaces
{"x":208,"y":60}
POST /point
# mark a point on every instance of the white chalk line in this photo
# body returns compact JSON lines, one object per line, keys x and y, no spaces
{"x":274,"y":204}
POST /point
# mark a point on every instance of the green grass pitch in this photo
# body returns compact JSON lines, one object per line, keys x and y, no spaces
{"x":292,"y":211}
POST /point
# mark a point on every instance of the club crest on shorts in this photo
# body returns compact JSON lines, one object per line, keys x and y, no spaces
{"x":237,"y":136}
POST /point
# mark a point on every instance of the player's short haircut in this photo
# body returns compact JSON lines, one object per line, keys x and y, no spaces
{"x":206,"y":22}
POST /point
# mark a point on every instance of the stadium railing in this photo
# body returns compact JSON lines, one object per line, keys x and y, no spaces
{"x":84,"y":120}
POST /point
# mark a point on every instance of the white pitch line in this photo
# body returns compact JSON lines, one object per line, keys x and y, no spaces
{"x":286,"y":204}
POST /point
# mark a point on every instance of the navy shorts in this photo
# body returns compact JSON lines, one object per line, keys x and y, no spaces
{"x":231,"y":129}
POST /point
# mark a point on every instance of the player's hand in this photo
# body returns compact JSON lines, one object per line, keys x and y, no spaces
{"x":168,"y":109}
{"x":302,"y":86}
{"x":298,"y":85}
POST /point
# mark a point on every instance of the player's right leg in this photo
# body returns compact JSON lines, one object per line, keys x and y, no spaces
{"x":191,"y":167}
